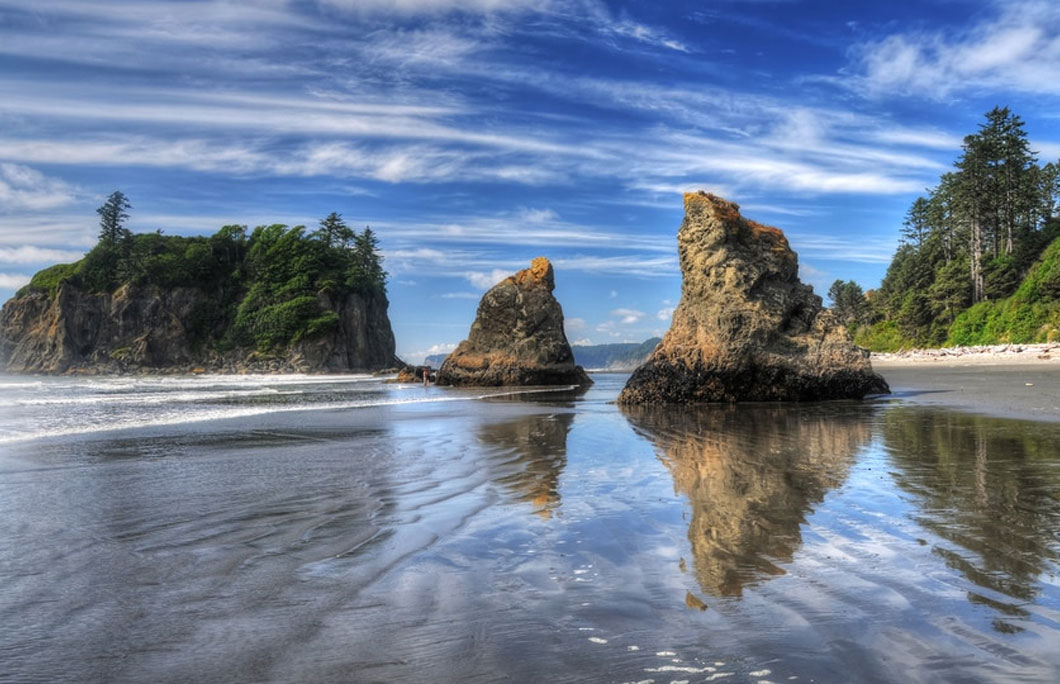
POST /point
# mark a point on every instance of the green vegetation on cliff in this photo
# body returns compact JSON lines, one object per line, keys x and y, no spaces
{"x":975,"y":265}
{"x":268,"y":288}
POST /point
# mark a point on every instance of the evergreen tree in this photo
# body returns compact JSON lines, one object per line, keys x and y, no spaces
{"x":848,"y":302}
{"x":112,"y":217}
{"x":917,"y":222}
{"x":975,"y":236}
{"x":334,"y":232}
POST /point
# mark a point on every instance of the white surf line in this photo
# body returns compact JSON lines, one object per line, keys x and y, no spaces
{"x":257,"y":411}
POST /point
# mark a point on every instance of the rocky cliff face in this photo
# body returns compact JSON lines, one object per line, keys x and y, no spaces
{"x":746,"y":329}
{"x":517,"y":337}
{"x":146,"y":328}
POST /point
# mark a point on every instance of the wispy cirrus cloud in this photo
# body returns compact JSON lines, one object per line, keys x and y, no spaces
{"x":432,"y":7}
{"x":1014,"y":49}
{"x":25,"y":188}
{"x":29,"y":254}
{"x":13,"y":280}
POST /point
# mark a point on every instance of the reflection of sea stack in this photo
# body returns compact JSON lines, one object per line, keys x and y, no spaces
{"x":746,"y":328}
{"x":533,"y":453}
{"x":750,"y":474}
{"x":517,"y":337}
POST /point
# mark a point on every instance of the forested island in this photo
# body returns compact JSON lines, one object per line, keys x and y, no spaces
{"x":979,"y":261}
{"x":273,"y":298}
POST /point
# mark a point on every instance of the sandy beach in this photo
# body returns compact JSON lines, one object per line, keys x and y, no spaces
{"x":1011,"y":381}
{"x":1002,"y":354}
{"x":337,"y":529}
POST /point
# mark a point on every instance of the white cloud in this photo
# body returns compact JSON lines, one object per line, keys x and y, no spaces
{"x":641,"y":265}
{"x":485,"y":281}
{"x":24,"y":188}
{"x":1015,"y":49}
{"x":628,"y":316}
{"x":665,"y":313}
{"x":13,"y":281}
{"x":863,"y":249}
{"x":582,"y":342}
{"x":28,"y":254}
{"x":461,"y":295}
{"x":409,"y":7}
{"x":419,"y":356}
{"x":574,"y":324}
{"x":536,"y":215}
{"x":443,"y":348}
{"x":645,"y":34}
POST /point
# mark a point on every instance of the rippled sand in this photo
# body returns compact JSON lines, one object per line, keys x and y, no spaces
{"x":536,"y":538}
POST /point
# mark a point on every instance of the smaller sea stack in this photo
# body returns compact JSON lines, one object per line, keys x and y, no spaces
{"x":517,"y":337}
{"x":746,"y":328}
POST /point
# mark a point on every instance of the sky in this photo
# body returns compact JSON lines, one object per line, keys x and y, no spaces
{"x":475,"y":135}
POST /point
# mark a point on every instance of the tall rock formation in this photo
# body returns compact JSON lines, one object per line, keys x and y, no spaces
{"x":746,"y":329}
{"x":517,"y":337}
{"x":147,"y":328}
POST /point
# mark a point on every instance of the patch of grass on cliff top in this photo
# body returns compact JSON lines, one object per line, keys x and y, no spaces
{"x":48,"y":280}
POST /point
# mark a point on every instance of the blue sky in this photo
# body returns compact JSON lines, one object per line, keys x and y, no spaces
{"x":474,"y":135}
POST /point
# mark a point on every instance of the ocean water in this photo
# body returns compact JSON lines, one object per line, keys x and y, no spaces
{"x":339,"y":529}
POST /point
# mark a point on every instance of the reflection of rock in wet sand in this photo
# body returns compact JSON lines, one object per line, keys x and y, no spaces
{"x":751,"y":474}
{"x":533,"y":453}
{"x":988,"y":488}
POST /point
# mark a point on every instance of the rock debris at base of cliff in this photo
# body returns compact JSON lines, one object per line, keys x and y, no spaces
{"x":746,"y":328}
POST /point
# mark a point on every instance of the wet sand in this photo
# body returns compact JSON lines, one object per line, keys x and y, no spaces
{"x":394,"y":533}
{"x":1009,"y":385}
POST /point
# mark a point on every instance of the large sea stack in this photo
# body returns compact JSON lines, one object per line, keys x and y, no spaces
{"x":517,"y":337}
{"x":747,"y":329}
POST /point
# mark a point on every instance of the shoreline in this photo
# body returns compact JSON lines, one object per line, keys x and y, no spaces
{"x":1027,"y":389}
{"x":1001,"y":354}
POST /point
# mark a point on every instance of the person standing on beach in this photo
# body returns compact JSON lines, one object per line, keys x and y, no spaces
{"x":426,"y":376}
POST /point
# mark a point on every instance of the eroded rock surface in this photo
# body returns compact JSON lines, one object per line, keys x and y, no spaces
{"x":517,"y":337}
{"x":746,"y":328}
{"x":148,"y":329}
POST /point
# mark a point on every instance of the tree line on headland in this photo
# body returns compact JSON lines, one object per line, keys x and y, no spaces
{"x":265,"y":284}
{"x":979,"y":260}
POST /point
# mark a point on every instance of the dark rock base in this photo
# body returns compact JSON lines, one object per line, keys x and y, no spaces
{"x":666,"y":383}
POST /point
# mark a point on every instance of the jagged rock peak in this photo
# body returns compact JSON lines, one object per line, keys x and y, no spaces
{"x":539,"y":274}
{"x":517,"y":337}
{"x":746,"y":328}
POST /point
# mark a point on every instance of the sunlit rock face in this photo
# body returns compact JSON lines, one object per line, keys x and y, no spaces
{"x":751,"y":476}
{"x":517,"y":337}
{"x":746,"y":328}
{"x":145,"y":328}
